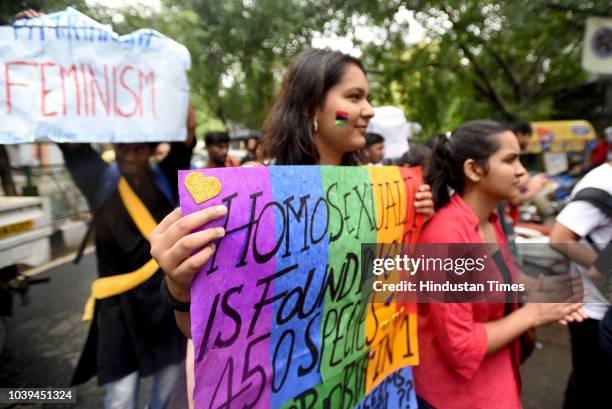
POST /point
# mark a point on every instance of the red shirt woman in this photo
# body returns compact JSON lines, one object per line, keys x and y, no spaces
{"x":469,"y":351}
{"x":455,"y":370}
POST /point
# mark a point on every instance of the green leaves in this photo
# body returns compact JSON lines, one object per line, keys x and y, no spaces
{"x":498,"y":59}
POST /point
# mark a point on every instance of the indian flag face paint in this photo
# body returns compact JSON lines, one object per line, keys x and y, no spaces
{"x":341,"y":119}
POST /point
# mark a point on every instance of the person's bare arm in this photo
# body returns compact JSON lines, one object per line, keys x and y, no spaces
{"x":565,"y":242}
{"x":424,"y":201}
{"x":601,"y":270}
{"x":183,"y":321}
{"x":191,"y":127}
{"x":503,"y":331}
{"x":598,"y":279}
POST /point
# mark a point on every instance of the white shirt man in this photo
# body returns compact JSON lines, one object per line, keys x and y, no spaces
{"x":585,"y":219}
{"x":589,"y":383}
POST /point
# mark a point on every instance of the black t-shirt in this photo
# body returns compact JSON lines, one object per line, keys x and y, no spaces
{"x":135,"y":330}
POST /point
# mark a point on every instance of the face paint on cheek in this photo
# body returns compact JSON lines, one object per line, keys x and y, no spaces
{"x":341,"y":119}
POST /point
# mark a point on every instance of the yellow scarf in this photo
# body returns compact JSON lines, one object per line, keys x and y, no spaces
{"x":105,"y":287}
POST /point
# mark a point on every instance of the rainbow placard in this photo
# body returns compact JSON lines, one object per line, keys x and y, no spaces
{"x":280,"y":315}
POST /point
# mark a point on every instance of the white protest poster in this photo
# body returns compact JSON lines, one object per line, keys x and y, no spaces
{"x":66,"y":78}
{"x":597,"y":54}
{"x":390,"y":122}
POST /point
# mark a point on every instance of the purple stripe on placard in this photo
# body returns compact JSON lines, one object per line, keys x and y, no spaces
{"x":231,"y":311}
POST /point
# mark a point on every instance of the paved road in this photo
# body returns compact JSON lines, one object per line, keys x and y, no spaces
{"x":46,"y":336}
{"x":45,"y":339}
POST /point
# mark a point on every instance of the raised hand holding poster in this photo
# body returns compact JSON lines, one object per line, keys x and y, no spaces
{"x":67,"y":78}
{"x":280,"y":315}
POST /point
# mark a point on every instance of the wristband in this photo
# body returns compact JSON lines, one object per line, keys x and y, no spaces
{"x":169,"y":300}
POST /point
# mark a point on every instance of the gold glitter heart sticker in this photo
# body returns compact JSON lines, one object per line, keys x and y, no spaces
{"x":202,"y":188}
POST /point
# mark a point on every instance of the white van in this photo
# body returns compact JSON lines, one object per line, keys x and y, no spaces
{"x":25,"y":230}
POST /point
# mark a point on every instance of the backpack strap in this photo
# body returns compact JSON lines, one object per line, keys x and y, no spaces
{"x":598,"y":198}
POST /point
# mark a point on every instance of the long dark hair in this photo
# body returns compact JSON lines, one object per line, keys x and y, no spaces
{"x":472,"y":140}
{"x":288,"y":128}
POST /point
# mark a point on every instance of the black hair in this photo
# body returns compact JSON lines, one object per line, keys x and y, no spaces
{"x":520,"y":127}
{"x":418,"y":155}
{"x":212,"y":138}
{"x":373,"y":138}
{"x":431,"y":140}
{"x":288,"y":128}
{"x":151,"y":145}
{"x":472,"y":140}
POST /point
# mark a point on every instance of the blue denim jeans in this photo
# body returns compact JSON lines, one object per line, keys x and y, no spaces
{"x":123,"y":393}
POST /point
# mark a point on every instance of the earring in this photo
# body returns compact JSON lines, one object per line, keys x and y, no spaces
{"x":315,"y":125}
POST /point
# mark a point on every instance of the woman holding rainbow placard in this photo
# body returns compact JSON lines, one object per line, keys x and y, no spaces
{"x":302,"y":129}
{"x":320,"y":118}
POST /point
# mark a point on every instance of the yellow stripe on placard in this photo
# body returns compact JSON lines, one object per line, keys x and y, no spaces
{"x":394,"y":329}
{"x":388,"y":191}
